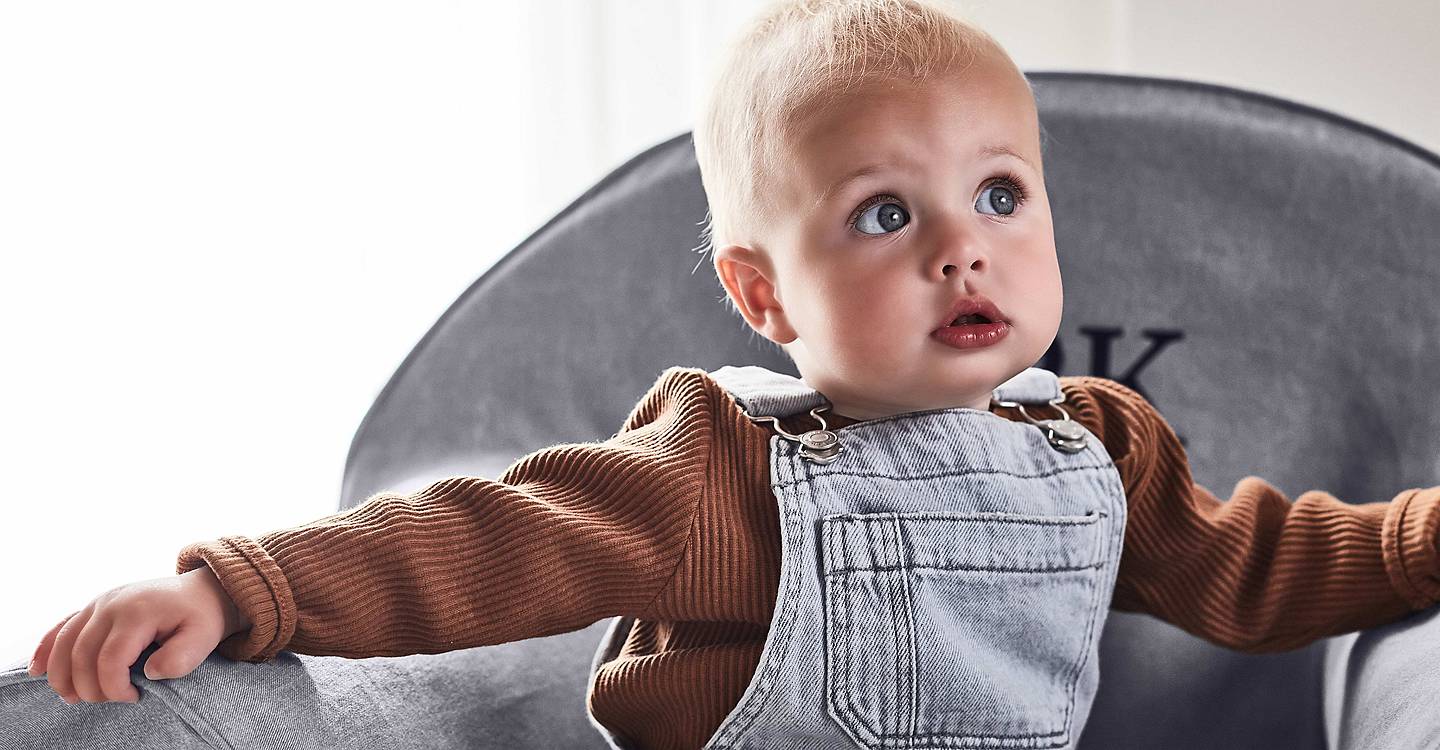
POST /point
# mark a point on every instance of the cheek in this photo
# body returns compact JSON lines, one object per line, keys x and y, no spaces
{"x":1054,"y":298}
{"x":876,"y":319}
{"x":853,"y":314}
{"x":831,"y":293}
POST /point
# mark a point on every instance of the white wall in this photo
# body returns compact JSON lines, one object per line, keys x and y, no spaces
{"x":223,"y":226}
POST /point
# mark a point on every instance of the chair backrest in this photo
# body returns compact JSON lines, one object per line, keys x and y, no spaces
{"x":1266,"y":273}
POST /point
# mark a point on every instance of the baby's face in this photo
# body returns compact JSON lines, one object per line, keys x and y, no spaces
{"x":865,"y":271}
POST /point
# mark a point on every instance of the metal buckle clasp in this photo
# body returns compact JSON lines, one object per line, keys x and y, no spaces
{"x":817,"y":446}
{"x":1063,"y":434}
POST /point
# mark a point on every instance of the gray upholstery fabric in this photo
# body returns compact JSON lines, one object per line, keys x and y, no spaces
{"x":1265,"y":273}
{"x":457,"y":700}
{"x":1389,"y":674}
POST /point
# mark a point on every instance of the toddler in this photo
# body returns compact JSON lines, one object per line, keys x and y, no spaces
{"x":915,"y":544}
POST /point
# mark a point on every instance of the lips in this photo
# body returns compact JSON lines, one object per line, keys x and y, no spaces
{"x":977,"y":305}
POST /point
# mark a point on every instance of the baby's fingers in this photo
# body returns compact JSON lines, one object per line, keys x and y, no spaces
{"x":120,"y":650}
{"x":58,"y":665}
{"x":42,"y":651}
{"x":83,"y":656}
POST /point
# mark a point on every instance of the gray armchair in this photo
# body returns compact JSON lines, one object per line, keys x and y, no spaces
{"x":1265,"y":273}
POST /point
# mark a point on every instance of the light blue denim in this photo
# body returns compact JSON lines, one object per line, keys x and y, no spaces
{"x":944,"y":581}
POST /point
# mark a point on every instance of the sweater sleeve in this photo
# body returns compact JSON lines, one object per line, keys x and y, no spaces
{"x":1257,"y":572}
{"x":567,"y":535}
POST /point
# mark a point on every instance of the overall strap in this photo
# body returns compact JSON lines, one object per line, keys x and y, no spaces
{"x":1033,"y":385}
{"x":765,"y":393}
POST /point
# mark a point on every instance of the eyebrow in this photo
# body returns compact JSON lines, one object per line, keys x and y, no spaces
{"x":869,"y":169}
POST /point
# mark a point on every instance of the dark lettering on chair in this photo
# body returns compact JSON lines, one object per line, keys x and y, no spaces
{"x":1100,"y":341}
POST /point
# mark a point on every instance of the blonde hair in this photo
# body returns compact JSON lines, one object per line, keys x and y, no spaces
{"x":799,"y":56}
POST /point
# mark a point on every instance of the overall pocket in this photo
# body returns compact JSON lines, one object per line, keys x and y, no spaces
{"x":958,"y":630}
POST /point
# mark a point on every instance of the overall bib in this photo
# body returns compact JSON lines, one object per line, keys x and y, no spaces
{"x":944,"y":581}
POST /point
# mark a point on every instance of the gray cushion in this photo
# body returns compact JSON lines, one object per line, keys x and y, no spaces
{"x":1265,"y":273}
{"x":457,"y":700}
{"x":1381,"y":685}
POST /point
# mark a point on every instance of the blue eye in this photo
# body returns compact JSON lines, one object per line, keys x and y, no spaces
{"x":1004,"y":195}
{"x":1001,"y":198}
{"x":884,"y":217}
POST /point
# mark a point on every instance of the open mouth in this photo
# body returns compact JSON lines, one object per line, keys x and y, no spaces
{"x":972,"y":331}
{"x":974,"y":314}
{"x":970,"y":319}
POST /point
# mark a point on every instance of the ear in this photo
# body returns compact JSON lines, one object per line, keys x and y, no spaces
{"x":749,"y":279}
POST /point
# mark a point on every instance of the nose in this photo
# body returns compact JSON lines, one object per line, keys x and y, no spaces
{"x":950,"y":269}
{"x":956,"y":249}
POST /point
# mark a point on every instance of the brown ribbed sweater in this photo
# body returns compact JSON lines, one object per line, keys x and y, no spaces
{"x":672,"y":521}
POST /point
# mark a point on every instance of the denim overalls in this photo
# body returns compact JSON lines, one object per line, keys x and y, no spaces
{"x":944,"y":579}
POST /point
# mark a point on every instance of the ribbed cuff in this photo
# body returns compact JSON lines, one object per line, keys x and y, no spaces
{"x":1409,"y":544}
{"x":257,"y":586}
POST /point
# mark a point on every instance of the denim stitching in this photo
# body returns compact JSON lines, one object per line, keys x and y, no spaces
{"x":1089,"y":519}
{"x":842,"y":624}
{"x":1074,"y":678}
{"x":941,"y":474}
{"x":841,"y":613}
{"x":841,"y":617}
{"x":839,"y":695}
{"x":977,"y":568}
{"x":900,"y":669}
{"x":1105,"y":582}
{"x":902,"y":549}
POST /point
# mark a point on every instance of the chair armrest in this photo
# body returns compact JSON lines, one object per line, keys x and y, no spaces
{"x":525,"y":694}
{"x":1381,"y":683}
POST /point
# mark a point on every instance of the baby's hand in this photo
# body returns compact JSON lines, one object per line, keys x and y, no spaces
{"x":89,"y":653}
